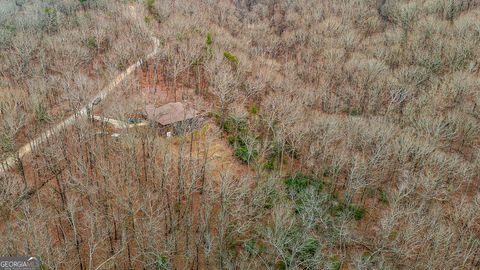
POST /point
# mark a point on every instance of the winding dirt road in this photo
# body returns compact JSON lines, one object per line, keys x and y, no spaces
{"x":117,"y":124}
{"x":43,"y":137}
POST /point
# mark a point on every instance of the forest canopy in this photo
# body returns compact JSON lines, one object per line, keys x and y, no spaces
{"x":333,"y":134}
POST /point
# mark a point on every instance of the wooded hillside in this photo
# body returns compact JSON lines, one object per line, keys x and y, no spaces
{"x":336,"y":134}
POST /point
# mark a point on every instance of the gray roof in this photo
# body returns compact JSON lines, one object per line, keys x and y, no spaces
{"x":170,"y":113}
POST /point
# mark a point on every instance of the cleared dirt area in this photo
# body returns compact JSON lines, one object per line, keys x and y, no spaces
{"x":173,"y":182}
{"x":150,"y":86}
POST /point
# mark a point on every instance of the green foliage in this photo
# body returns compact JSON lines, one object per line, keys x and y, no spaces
{"x":50,"y":20}
{"x":92,"y":42}
{"x":209,"y":39}
{"x":250,"y":247}
{"x":242,"y":153}
{"x":7,"y":143}
{"x":309,"y":249}
{"x":241,"y":150}
{"x":269,"y":201}
{"x":383,"y":197}
{"x":162,"y":262}
{"x":148,"y":19}
{"x":121,"y":65}
{"x":281,"y":265}
{"x":253,"y":248}
{"x":253,"y":109}
{"x":393,"y":236}
{"x":243,"y":143}
{"x":150,"y":5}
{"x":48,"y":10}
{"x":357,"y":211}
{"x":275,"y":152}
{"x":298,"y":246}
{"x":231,"y":125}
{"x":355,"y":111}
{"x":270,"y":194}
{"x":41,"y":113}
{"x":306,"y":191}
{"x":197,"y":61}
{"x":299,"y":182}
{"x":230,"y":57}
{"x":208,"y":46}
{"x":269,"y":164}
{"x":337,"y":206}
{"x":335,"y":263}
{"x":233,"y":244}
{"x":234,"y":139}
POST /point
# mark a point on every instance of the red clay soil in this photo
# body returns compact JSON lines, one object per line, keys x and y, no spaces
{"x":150,"y":86}
{"x":42,"y":182}
{"x":153,"y":87}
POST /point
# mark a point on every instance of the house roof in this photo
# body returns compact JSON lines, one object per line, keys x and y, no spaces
{"x":170,"y":113}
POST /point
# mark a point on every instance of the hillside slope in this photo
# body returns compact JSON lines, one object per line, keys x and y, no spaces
{"x":339,"y":135}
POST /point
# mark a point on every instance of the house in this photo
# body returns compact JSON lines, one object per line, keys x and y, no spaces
{"x":175,"y":116}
